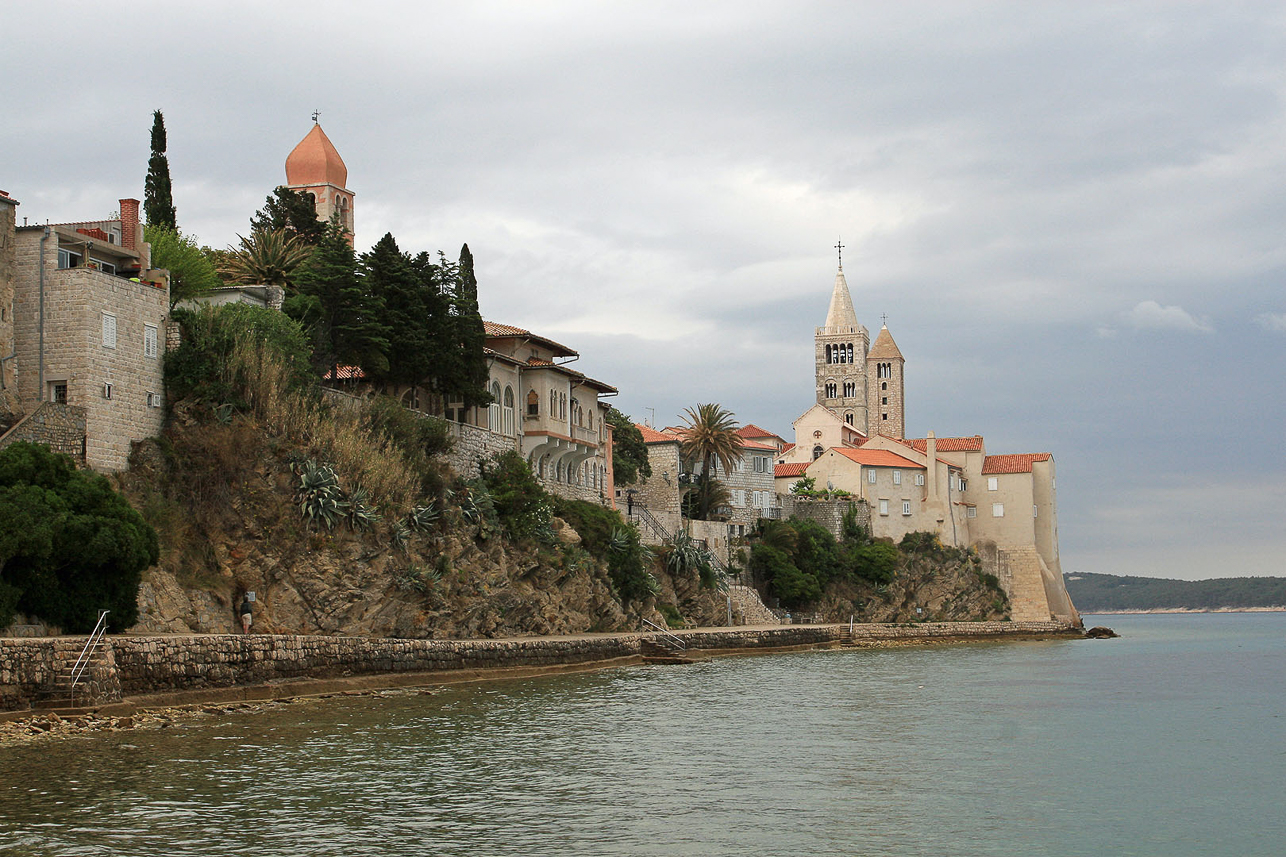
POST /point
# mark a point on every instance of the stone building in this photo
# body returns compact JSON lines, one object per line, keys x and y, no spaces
{"x":9,"y":405}
{"x":89,"y":318}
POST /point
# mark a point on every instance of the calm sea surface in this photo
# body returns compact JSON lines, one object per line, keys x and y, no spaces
{"x":1168,"y":741}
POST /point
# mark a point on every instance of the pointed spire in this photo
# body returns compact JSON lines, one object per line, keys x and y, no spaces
{"x":841,"y":315}
{"x":884,"y":348}
{"x":315,"y":161}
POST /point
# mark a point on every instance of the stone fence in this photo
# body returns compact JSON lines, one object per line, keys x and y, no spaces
{"x":827,"y":512}
{"x":135,"y":666}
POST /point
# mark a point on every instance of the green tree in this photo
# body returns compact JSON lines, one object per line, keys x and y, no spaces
{"x":629,"y":452}
{"x":191,"y":272}
{"x":710,"y":437}
{"x":270,"y":258}
{"x":345,"y":320}
{"x":467,"y":379}
{"x":69,"y":544}
{"x":416,"y":312}
{"x":158,"y":200}
{"x":293,"y":211}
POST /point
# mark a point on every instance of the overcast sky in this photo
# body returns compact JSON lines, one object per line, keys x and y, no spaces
{"x":1073,"y":214}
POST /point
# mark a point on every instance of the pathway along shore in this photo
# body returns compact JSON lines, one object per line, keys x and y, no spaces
{"x":136,"y":674}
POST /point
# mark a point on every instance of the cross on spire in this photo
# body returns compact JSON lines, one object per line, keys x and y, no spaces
{"x":316,"y":113}
{"x":839,"y":247}
{"x":884,"y":318}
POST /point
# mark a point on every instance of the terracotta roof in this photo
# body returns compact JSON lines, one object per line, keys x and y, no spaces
{"x":651,"y":435}
{"x":491,"y":328}
{"x":752,"y":430}
{"x":502,"y":331}
{"x":884,"y":348}
{"x":948,"y":444}
{"x":316,"y":161}
{"x":796,"y":469}
{"x":762,"y":447}
{"x":345,"y":373}
{"x":876,"y":458}
{"x":787,"y":448}
{"x":1020,"y":463}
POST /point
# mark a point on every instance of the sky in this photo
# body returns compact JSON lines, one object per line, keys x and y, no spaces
{"x":1072,"y":214}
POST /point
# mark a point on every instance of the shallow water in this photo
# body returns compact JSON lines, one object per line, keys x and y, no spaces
{"x":1168,"y":741}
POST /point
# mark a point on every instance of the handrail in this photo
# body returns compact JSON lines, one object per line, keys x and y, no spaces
{"x":82,"y":662}
{"x":672,"y":640}
{"x":648,"y":518}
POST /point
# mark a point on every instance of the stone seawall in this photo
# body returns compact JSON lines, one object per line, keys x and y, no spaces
{"x":184,"y":664}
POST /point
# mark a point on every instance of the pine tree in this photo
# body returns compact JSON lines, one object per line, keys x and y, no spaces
{"x":158,"y":201}
{"x":294,"y":211}
{"x":414,"y":311}
{"x":346,"y":321}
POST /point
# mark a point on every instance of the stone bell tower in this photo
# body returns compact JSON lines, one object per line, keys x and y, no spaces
{"x":315,"y":167}
{"x":886,"y":396}
{"x":840,"y":347}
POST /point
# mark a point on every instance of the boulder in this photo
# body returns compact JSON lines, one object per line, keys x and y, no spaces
{"x":1098,"y":632}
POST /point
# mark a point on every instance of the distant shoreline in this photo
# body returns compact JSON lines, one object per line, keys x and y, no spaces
{"x":1185,"y":610}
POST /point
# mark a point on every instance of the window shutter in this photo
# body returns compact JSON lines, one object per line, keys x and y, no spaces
{"x":109,"y":330}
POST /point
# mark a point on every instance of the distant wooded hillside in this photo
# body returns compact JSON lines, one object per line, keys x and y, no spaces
{"x":1096,"y":592}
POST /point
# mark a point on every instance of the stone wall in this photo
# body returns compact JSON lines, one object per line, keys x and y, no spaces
{"x":59,"y":427}
{"x":141,"y":665}
{"x":474,"y":445}
{"x":828,"y":513}
{"x":8,"y":241}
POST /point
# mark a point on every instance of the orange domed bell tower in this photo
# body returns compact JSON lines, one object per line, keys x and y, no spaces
{"x":315,"y":167}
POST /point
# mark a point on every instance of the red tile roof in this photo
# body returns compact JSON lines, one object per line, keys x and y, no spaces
{"x":1021,"y":463}
{"x":795,"y":469}
{"x":345,"y":373}
{"x":651,"y":435}
{"x":787,"y":448}
{"x":876,"y":457}
{"x":948,"y":444}
{"x":491,"y":328}
{"x":750,"y":430}
{"x":503,"y":331}
{"x":765,"y":447}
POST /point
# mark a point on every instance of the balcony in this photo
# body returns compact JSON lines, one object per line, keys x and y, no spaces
{"x":584,"y":435}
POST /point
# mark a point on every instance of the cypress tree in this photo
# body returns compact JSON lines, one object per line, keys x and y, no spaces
{"x":158,"y":201}
{"x":414,"y":311}
{"x":468,"y":381}
{"x":294,"y":211}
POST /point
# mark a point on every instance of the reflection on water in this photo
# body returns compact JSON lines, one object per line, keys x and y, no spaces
{"x":1167,"y":741}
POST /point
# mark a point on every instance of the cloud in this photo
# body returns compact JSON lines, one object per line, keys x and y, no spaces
{"x":1150,"y":315}
{"x":1274,"y":321}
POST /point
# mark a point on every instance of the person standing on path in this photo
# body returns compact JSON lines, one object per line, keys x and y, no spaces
{"x":247,"y":615}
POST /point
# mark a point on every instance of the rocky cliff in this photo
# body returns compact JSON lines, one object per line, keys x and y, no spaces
{"x":222,"y":499}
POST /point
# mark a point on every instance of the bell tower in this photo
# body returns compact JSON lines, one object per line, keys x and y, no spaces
{"x":840,"y":347}
{"x":885,"y":400}
{"x":315,"y":167}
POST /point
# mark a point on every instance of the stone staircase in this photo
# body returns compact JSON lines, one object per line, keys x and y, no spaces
{"x":98,"y":683}
{"x":747,"y":604}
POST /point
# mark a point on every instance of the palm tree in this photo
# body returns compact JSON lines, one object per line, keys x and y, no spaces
{"x":709,"y":437}
{"x":268,"y":258}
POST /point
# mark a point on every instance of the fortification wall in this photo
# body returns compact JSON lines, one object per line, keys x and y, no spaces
{"x":59,"y":427}
{"x":828,"y":513}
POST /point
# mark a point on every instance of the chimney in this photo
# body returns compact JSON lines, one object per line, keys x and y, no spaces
{"x":931,"y":447}
{"x":131,"y":232}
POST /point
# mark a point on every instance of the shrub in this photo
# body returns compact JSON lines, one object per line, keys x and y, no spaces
{"x":592,"y":521}
{"x":202,"y":367}
{"x":628,"y":559}
{"x":69,"y":544}
{"x":522,"y":505}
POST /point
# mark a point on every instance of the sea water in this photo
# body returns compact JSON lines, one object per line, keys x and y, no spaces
{"x":1168,"y":741}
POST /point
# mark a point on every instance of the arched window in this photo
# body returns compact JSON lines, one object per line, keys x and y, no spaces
{"x":553,"y":403}
{"x":533,"y":404}
{"x":509,"y":411}
{"x":850,"y":352}
{"x":493,"y":409}
{"x":817,"y":452}
{"x":411,"y":399}
{"x":830,"y":389}
{"x":848,"y":418}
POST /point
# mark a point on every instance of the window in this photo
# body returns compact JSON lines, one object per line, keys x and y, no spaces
{"x":884,"y":385}
{"x":153,"y":400}
{"x":105,"y":267}
{"x":411,"y":399}
{"x":109,"y":330}
{"x":107,"y":390}
{"x":906,"y":507}
{"x":850,"y":389}
{"x":993,"y":483}
{"x":884,"y":400}
{"x":533,"y":404}
{"x":817,"y":452}
{"x":897,"y":477}
{"x":997,"y":510}
{"x":149,"y":340}
{"x":971,"y":511}
{"x":960,"y":483}
{"x":884,"y":416}
{"x":830,"y":389}
{"x":509,"y":411}
{"x":870,"y":475}
{"x":68,"y":259}
{"x":919,"y":479}
{"x":58,"y":392}
{"x":493,"y":409}
{"x":1035,"y":512}
{"x":884,"y":507}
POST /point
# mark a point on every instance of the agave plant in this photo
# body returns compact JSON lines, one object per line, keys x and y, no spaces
{"x":401,"y":536}
{"x":422,"y":518}
{"x":320,"y":498}
{"x":361,"y":514}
